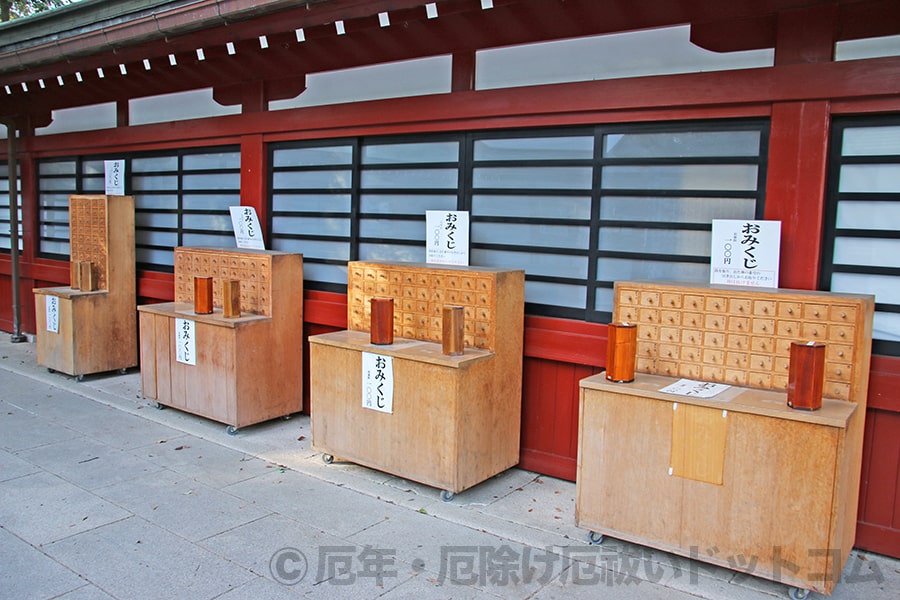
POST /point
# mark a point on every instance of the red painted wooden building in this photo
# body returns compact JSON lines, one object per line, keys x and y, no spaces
{"x":590,"y":140}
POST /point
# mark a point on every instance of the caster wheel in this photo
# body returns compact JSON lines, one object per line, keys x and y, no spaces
{"x":594,"y":538}
{"x":286,"y":417}
{"x":231,"y":430}
{"x":79,"y":378}
{"x":123,"y":371}
{"x":49,"y":370}
{"x":327,"y":459}
{"x":798,"y":593}
{"x":158,"y":406}
{"x":446,"y":496}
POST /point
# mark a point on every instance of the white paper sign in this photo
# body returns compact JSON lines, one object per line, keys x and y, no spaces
{"x":247,"y":232}
{"x":447,"y":237}
{"x":378,"y":382}
{"x":696,"y":389}
{"x":115,"y":177}
{"x":52,"y":314}
{"x":185,"y":342}
{"x":745,"y":252}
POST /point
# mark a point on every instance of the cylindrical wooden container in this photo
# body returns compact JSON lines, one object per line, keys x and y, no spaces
{"x":231,"y":298}
{"x":453,"y":330}
{"x":75,"y":275}
{"x":203,"y":295}
{"x":86,"y":280}
{"x":621,"y":351}
{"x":806,"y":375}
{"x":381,"y":327}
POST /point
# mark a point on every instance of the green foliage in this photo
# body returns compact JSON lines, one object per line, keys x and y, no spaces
{"x":14,"y":9}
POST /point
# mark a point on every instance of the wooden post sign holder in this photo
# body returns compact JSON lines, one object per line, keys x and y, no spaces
{"x":96,"y":322}
{"x":457,"y":393}
{"x":739,"y":471}
{"x":246,"y":307}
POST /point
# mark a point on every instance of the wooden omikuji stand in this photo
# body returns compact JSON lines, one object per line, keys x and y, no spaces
{"x":96,"y":322}
{"x":248,"y":367}
{"x":456,"y":417}
{"x":741,"y":472}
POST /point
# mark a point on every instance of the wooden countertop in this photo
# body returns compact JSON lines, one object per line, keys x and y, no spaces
{"x":834,"y":413}
{"x":185,"y":310}
{"x":418,"y":350}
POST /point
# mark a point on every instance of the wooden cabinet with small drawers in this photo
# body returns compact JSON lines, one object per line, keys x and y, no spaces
{"x":742,"y":472}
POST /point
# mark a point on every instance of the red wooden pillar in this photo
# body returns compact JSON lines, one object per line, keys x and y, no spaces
{"x":254,"y":178}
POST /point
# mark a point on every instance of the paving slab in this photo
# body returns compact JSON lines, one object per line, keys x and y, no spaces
{"x":26,"y":572}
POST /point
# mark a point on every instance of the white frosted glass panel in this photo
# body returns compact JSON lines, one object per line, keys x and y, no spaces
{"x":154,"y":183}
{"x":217,"y":181}
{"x":867,"y":48}
{"x":392,"y":230}
{"x":649,"y":52}
{"x":542,"y":178}
{"x":54,"y":247}
{"x":208,"y":222}
{"x":82,"y":118}
{"x":305,"y":180}
{"x":308,"y":157}
{"x":868,"y":252}
{"x":154,"y":163}
{"x":55,"y":231}
{"x":203,"y":239}
{"x":681,"y":144}
{"x":143,"y":219}
{"x":535,"y":207}
{"x":213,"y":160}
{"x":603,"y":300}
{"x":54,"y":215}
{"x":55,"y":185}
{"x":314,"y":249}
{"x":311,"y":226}
{"x":675,"y":210}
{"x":552,"y":265}
{"x":425,"y":152}
{"x":885,"y":287}
{"x":151,"y":256}
{"x":555,"y":294}
{"x":179,"y":106}
{"x":390,"y":80}
{"x":156,"y":202}
{"x":93,"y":185}
{"x":569,"y":148}
{"x":50,"y":201}
{"x":93,"y":167}
{"x":871,"y":141}
{"x":57,"y":168}
{"x":886,"y":326}
{"x":218,"y":202}
{"x":303,"y":203}
{"x":324,"y":273}
{"x":386,"y":204}
{"x":410,"y":178}
{"x":681,"y":177}
{"x":523,"y":234}
{"x":156,"y":238}
{"x":870,"y":178}
{"x":391,"y":252}
{"x":655,"y":241}
{"x":615,"y":269}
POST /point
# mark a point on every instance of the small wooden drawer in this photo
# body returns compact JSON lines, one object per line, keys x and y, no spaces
{"x":649,"y":299}
{"x":790,"y":310}
{"x":668,"y":351}
{"x":692,"y":320}
{"x":648,"y":332}
{"x":648,"y":315}
{"x":764,"y":308}
{"x":692,"y":302}
{"x":714,"y":339}
{"x":739,"y":324}
{"x":735,"y":377}
{"x":740,"y":306}
{"x":689,"y":370}
{"x":836,"y":389}
{"x":841,"y":333}
{"x":762,"y":344}
{"x":813,"y":331}
{"x":715,"y":321}
{"x":627,"y":297}
{"x":737,"y":342}
{"x":710,"y":373}
{"x":737,"y":360}
{"x":691,"y":354}
{"x":839,"y":352}
{"x":665,"y":367}
{"x":692,"y":337}
{"x":670,"y":300}
{"x":764,"y":326}
{"x":815,"y":312}
{"x":789,"y":329}
{"x":843,"y":314}
{"x":670,"y":317}
{"x":646,"y":349}
{"x":838,"y":371}
{"x":716,"y":304}
{"x":760,"y":379}
{"x":760,"y":362}
{"x":669,"y":334}
{"x":714,"y":357}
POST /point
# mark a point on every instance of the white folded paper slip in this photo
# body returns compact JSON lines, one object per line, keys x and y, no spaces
{"x":697,"y":389}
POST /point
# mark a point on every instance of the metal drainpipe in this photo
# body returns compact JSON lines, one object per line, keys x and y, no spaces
{"x":16,"y":336}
